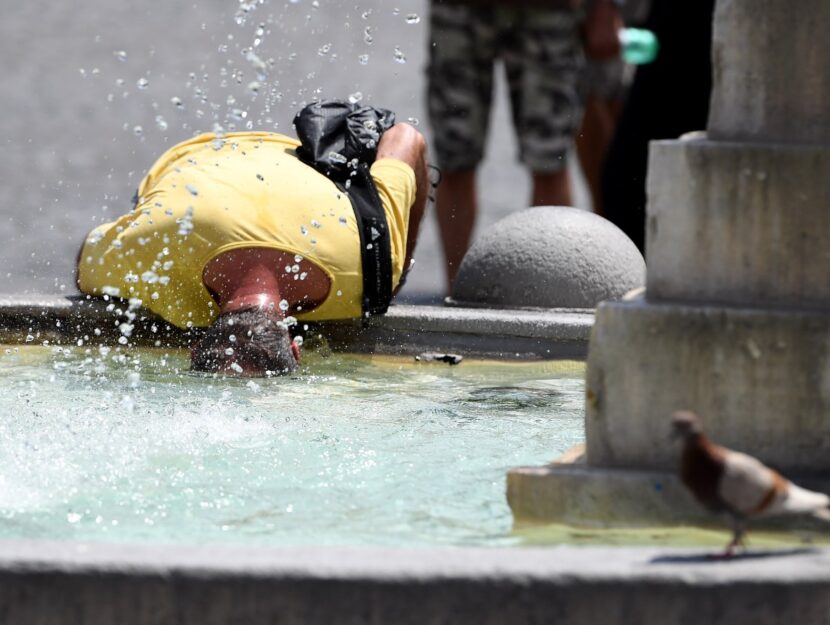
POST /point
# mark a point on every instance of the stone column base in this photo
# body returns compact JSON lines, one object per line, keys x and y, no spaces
{"x":739,"y":223}
{"x":759,"y":378}
{"x":582,"y":495}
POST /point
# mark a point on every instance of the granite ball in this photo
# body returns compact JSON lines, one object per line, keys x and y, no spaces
{"x":549,"y":257}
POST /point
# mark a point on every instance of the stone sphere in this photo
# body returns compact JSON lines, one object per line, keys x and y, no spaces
{"x":549,"y":257}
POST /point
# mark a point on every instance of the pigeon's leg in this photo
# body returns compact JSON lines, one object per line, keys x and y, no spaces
{"x":738,"y":533}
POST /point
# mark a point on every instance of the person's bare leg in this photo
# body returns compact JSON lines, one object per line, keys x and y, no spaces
{"x":598,"y":125}
{"x":552,"y":189}
{"x":456,"y":209}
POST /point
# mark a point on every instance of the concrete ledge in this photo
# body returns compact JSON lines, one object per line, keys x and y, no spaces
{"x":59,"y":583}
{"x":539,"y":334}
{"x":577,"y":494}
{"x":581,"y":495}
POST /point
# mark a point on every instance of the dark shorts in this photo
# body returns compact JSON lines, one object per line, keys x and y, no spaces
{"x":542,"y":55}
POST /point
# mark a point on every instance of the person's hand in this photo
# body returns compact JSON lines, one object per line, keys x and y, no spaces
{"x":600,"y":32}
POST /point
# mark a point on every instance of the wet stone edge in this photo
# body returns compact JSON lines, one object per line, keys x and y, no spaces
{"x":404,"y":330}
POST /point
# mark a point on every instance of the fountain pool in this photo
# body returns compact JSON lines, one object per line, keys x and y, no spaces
{"x":106,"y":444}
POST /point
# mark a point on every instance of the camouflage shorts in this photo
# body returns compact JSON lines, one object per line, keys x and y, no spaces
{"x":542,"y":55}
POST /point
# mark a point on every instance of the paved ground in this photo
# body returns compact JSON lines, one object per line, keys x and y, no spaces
{"x":72,"y":154}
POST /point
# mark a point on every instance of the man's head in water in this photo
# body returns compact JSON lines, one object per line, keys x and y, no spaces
{"x":250,"y":342}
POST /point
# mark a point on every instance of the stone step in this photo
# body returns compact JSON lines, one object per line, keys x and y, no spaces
{"x":739,"y":223}
{"x":770,"y":71}
{"x":759,"y":379}
{"x":587,"y":496}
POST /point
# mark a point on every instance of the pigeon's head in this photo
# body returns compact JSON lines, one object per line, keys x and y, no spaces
{"x":685,"y":423}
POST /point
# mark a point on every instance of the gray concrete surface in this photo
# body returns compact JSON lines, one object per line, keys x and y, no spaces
{"x":578,"y":494}
{"x":405,"y":329}
{"x":549,"y":257}
{"x":70,"y":157}
{"x":88,"y":584}
{"x":739,"y":223}
{"x":759,"y":378}
{"x":770,"y":72}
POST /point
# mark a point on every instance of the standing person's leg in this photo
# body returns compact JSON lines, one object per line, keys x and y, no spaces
{"x":543,"y":58}
{"x":456,"y":205}
{"x":460,"y":85}
{"x":552,"y":188}
{"x":604,"y":89}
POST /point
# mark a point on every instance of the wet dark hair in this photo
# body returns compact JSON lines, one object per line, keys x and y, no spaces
{"x":253,"y":340}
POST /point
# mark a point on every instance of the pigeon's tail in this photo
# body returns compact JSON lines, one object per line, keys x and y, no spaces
{"x":802,"y":501}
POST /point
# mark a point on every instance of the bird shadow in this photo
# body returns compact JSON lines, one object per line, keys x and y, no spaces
{"x":709,"y":558}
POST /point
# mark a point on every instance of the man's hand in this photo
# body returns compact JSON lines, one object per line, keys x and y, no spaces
{"x":404,"y":143}
{"x":600,"y":32}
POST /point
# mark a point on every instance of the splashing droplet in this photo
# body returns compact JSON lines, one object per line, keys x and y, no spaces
{"x":142,"y":83}
{"x":355,"y":97}
{"x":337,"y":158}
{"x":121,"y":55}
{"x":413,"y":18}
{"x":400,"y":57}
{"x":363,"y":59}
{"x":161,"y":123}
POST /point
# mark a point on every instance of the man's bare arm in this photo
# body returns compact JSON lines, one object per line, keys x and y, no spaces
{"x":404,"y":143}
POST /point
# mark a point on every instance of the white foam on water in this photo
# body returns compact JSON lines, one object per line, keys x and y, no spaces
{"x":127,"y":446}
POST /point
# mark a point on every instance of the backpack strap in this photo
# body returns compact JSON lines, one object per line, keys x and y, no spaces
{"x":375,"y":245}
{"x":339,"y":139}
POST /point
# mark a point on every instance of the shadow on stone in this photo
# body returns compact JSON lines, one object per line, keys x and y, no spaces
{"x":708,"y":558}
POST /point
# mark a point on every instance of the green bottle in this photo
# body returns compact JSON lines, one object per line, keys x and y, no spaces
{"x":639,"y":46}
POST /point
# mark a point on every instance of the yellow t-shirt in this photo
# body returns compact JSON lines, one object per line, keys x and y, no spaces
{"x":209,"y":195}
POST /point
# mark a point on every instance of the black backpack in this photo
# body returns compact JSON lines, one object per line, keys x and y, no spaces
{"x":339,"y":139}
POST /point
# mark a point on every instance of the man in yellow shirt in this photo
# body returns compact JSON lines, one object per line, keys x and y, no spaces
{"x":236,"y":233}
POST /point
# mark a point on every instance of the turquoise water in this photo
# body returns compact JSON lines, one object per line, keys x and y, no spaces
{"x":114,"y":445}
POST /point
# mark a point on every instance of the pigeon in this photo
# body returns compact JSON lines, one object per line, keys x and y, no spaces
{"x":729,"y":481}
